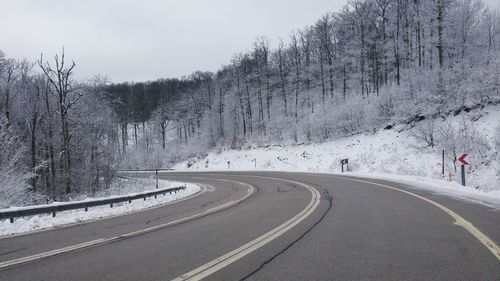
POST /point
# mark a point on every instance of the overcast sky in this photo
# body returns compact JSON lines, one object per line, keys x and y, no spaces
{"x":146,"y":40}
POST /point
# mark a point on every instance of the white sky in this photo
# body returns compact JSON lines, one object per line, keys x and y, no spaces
{"x":149,"y":39}
{"x":146,"y":40}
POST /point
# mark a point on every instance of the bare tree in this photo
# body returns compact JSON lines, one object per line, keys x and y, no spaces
{"x":469,"y":12}
{"x":281,"y":62}
{"x":33,"y":97}
{"x":59,"y":77}
{"x":15,"y":80}
{"x":425,"y":132}
{"x":440,"y":9}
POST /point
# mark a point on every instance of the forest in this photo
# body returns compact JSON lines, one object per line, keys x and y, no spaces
{"x":372,"y":65}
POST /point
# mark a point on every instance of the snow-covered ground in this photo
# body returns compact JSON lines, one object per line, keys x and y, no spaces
{"x":389,"y":154}
{"x":38,"y":222}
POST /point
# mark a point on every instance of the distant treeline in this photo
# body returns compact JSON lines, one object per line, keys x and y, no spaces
{"x":374,"y":63}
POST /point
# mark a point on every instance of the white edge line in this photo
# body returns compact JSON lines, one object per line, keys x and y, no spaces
{"x":459,"y":220}
{"x":130,"y":234}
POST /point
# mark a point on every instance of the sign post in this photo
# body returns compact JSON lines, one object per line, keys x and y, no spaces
{"x":344,"y":162}
{"x":462,"y":167}
{"x":442,"y":163}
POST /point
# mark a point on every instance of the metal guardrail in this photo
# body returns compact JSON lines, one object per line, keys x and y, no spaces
{"x":24,"y":212}
{"x":145,"y":170}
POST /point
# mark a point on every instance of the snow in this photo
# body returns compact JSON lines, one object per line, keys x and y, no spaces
{"x":28,"y":224}
{"x":451,"y":189}
{"x":389,"y":154}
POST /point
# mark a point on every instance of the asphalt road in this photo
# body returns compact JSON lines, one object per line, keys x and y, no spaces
{"x":272,"y":226}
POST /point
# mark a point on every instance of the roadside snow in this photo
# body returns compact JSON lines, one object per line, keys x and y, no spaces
{"x":389,"y":154}
{"x":451,"y":189}
{"x":38,"y":222}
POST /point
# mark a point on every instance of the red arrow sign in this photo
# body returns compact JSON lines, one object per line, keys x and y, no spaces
{"x":462,"y":159}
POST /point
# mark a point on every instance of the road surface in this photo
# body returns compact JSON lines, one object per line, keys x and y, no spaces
{"x":272,"y":226}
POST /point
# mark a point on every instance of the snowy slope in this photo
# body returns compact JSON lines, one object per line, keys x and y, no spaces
{"x":391,"y":154}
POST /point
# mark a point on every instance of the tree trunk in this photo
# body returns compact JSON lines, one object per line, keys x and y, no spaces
{"x":249,"y":106}
{"x":322,"y":72}
{"x":221,"y":113}
{"x":124,"y":137}
{"x":242,"y":106}
{"x":163,"y":133}
{"x":34,"y":120}
{"x":282,"y":79}
{"x":440,"y":27}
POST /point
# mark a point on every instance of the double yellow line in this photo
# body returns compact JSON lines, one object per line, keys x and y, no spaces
{"x":238,"y":253}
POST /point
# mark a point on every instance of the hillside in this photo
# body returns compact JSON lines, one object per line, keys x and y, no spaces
{"x":395,"y":154}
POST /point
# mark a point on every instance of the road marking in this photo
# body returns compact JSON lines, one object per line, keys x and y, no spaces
{"x":238,"y":253}
{"x":51,"y":253}
{"x":130,"y":234}
{"x":460,"y":221}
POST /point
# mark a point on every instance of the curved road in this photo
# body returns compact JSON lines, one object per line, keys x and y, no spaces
{"x":272,"y":226}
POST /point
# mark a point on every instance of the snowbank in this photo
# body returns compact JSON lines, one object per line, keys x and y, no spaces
{"x":451,"y":189}
{"x":38,"y":222}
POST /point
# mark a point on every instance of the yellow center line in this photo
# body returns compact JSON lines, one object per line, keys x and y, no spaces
{"x":238,"y":253}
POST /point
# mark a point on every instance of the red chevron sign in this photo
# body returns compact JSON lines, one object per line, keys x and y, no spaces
{"x":462,"y":159}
